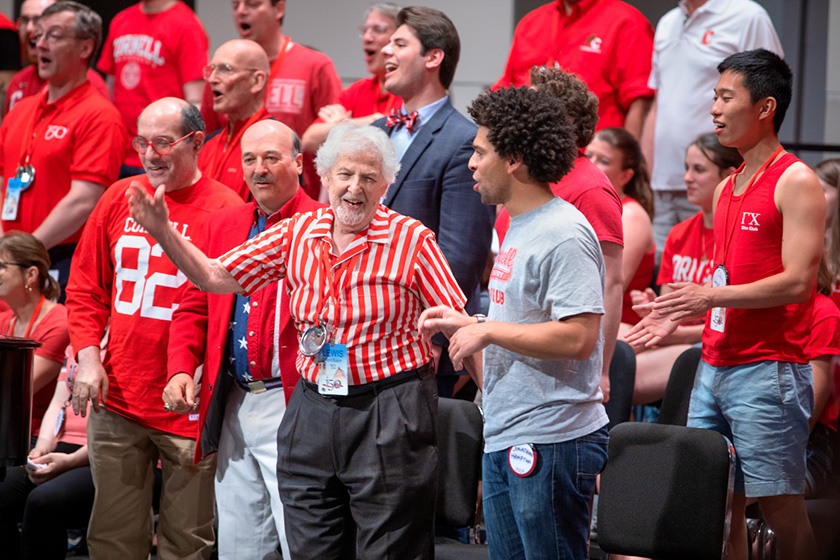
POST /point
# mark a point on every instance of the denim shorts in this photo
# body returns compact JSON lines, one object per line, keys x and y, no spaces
{"x":763,"y":408}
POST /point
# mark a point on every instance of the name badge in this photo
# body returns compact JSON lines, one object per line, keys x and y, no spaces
{"x":522,"y":459}
{"x":11,"y":200}
{"x":720,"y":277}
{"x":333,"y":366}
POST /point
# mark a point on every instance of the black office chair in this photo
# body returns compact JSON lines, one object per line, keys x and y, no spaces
{"x":460,"y":428}
{"x":622,"y":380}
{"x":666,"y":492}
{"x":674,"y":409}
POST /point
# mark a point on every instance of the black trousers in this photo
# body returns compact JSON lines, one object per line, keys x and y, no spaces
{"x":45,"y":511}
{"x":358,"y":475}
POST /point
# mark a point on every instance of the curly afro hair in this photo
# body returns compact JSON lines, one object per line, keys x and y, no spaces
{"x":581,"y":104}
{"x":528,"y":125}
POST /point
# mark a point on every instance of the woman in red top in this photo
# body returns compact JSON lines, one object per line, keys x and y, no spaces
{"x":687,"y":257}
{"x":28,"y":290}
{"x":828,"y":172}
{"x":618,"y":154}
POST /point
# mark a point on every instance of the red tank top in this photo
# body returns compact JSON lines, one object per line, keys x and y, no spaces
{"x":752,"y":234}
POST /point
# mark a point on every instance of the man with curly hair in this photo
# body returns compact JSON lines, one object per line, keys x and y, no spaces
{"x":544,"y":445}
{"x":590,"y":191}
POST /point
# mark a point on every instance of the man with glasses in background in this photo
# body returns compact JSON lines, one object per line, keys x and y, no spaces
{"x":121,"y":277}
{"x":27,"y":82}
{"x":60,"y":148}
{"x":301,"y":81}
{"x":237,"y":76}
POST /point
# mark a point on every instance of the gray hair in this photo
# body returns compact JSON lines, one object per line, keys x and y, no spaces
{"x":387,"y":9}
{"x":348,"y":139}
{"x":88,"y":23}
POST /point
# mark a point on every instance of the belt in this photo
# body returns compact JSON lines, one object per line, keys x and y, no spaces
{"x":374,"y":387}
{"x":258,"y":386}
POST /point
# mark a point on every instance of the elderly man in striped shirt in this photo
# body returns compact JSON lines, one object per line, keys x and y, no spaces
{"x":357,"y":465}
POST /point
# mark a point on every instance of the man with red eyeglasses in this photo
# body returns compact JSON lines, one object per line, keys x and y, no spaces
{"x":121,"y":277}
{"x":61,"y":147}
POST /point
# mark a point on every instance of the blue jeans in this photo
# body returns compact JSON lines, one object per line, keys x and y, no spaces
{"x":545,"y":515}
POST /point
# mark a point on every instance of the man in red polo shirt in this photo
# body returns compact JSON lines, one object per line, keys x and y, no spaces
{"x":248,"y":347}
{"x":301,"y":81}
{"x":27,"y":82}
{"x":237,"y":77}
{"x":61,"y":148}
{"x":608,"y":43}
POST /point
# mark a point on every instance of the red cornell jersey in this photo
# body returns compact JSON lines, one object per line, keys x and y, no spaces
{"x":120,"y":274}
{"x":152,"y":56}
{"x":753,"y":223}
{"x":688,"y":253}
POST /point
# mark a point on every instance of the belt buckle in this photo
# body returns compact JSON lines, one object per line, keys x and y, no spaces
{"x":256,"y":387}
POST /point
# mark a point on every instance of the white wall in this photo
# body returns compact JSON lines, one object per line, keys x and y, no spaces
{"x":485,"y":27}
{"x":6,"y":8}
{"x":832,"y":70}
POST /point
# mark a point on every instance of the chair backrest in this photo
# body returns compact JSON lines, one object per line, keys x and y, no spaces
{"x":674,"y":408}
{"x":622,"y":380}
{"x":666,"y":492}
{"x":460,"y":446}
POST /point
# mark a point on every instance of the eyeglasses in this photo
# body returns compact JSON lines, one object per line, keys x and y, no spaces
{"x":224,"y":71}
{"x":161,"y":145}
{"x":54,"y":36}
{"x":379,"y":29}
{"x":23,"y":21}
{"x":6,"y":264}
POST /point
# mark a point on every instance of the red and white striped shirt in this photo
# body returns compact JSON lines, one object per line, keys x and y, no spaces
{"x":371,"y":296}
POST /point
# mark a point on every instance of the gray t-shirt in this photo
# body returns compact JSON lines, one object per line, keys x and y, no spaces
{"x":550,"y":267}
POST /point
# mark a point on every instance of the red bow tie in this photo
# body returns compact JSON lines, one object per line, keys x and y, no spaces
{"x":397,"y":117}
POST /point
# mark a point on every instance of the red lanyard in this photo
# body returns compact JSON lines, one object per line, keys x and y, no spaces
{"x":728,"y":238}
{"x":220,"y":158}
{"x":283,"y":48}
{"x":31,"y":320}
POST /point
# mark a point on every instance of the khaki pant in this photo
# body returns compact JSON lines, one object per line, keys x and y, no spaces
{"x":123,"y":456}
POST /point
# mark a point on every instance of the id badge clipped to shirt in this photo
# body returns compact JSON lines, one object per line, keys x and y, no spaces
{"x":333,"y":366}
{"x":22,"y":180}
{"x":720,"y":277}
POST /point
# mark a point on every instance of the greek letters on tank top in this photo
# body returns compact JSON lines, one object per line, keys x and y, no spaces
{"x":754,"y":252}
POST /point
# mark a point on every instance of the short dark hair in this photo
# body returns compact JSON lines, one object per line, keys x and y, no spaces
{"x":765,"y":74}
{"x":528,"y":125}
{"x":88,"y":23}
{"x":191,"y":120}
{"x":435,"y":31}
{"x":581,"y":104}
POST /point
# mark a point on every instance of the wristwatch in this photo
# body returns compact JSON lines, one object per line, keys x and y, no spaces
{"x":479,"y":318}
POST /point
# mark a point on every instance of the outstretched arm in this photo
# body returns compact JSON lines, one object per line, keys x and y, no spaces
{"x":152,"y":213}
